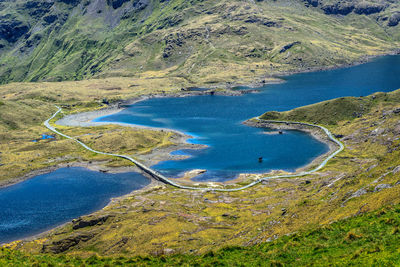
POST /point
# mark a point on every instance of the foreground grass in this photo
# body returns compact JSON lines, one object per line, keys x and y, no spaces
{"x":368,"y":239}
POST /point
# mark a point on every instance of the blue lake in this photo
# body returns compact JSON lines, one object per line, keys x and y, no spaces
{"x":41,"y":203}
{"x":233,"y":147}
{"x":48,"y":200}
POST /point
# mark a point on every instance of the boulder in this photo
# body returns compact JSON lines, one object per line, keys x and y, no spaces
{"x":380,"y":187}
{"x":394,"y":19}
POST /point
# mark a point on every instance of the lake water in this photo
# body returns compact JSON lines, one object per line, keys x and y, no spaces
{"x":235,"y":148}
{"x":48,"y":200}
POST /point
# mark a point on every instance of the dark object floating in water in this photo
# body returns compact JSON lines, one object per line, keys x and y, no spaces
{"x":280,"y":132}
{"x":260,"y":159}
{"x":44,"y":137}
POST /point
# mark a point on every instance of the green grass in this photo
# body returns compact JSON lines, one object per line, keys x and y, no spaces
{"x":369,"y":239}
{"x":333,"y":111}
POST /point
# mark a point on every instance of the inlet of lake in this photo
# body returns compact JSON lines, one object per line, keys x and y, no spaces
{"x":234,"y":148}
{"x":48,"y":200}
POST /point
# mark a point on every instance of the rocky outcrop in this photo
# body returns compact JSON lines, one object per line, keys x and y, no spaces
{"x":380,"y":187}
{"x":338,"y":9}
{"x":37,"y":8}
{"x":50,"y":18}
{"x":313,"y":3}
{"x":346,"y":7}
{"x":367,"y":8}
{"x":116,"y":3}
{"x":12,"y":29}
{"x":89,"y":221}
{"x":70,"y":2}
{"x":140,"y":4}
{"x":174,"y":41}
{"x":67,"y":243}
{"x":394,"y":19}
{"x":254,"y":18}
{"x":288,"y":46}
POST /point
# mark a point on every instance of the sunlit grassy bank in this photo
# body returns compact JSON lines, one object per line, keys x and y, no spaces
{"x":24,"y":108}
{"x":368,"y":239}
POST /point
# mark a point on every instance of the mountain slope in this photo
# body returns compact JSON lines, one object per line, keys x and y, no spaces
{"x":204,"y":41}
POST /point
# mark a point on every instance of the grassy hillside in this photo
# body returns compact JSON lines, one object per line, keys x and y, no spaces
{"x":332,"y":112}
{"x":201,"y":41}
{"x":368,"y":239}
{"x":139,"y":47}
{"x":25,"y":106}
{"x":163,"y":220}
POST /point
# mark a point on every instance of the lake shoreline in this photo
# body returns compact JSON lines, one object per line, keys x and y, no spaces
{"x":277,"y":78}
{"x":314,"y":131}
{"x":86,"y":119}
{"x":153,"y":183}
{"x":116,"y":107}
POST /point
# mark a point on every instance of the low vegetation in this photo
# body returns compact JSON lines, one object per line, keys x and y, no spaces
{"x":25,"y":107}
{"x":136,"y":48}
{"x":368,"y":239}
{"x":332,"y":112}
{"x":163,"y":220}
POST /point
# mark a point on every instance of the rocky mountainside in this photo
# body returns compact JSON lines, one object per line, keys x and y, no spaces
{"x":202,"y":40}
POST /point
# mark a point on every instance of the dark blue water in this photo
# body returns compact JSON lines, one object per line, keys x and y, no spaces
{"x":41,"y":203}
{"x":235,"y":148}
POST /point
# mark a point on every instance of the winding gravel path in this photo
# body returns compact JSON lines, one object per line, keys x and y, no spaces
{"x":158,"y":176}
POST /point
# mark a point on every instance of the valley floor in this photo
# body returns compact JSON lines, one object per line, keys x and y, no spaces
{"x":163,"y":220}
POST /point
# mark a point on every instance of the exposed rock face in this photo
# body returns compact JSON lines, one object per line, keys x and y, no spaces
{"x":65,"y":244}
{"x":346,"y":7}
{"x":338,"y":9}
{"x":140,"y":4}
{"x":37,"y":9}
{"x":70,"y":2}
{"x":253,"y":18}
{"x":12,"y":29}
{"x":313,"y":3}
{"x":380,"y":187}
{"x":365,"y":8}
{"x":358,"y":193}
{"x":288,"y":46}
{"x":50,"y":18}
{"x":394,"y":20}
{"x":396,"y":170}
{"x":89,"y":221}
{"x":116,"y":3}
